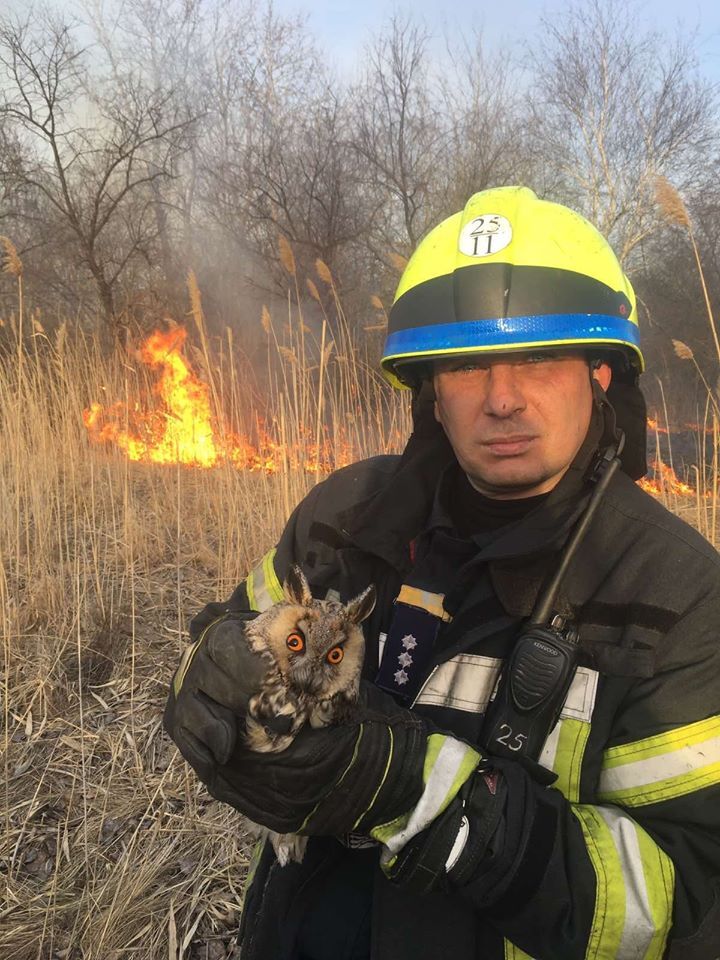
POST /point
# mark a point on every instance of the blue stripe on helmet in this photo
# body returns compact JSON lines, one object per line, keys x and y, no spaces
{"x":511,"y":331}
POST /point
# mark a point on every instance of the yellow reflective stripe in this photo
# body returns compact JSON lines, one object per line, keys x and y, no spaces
{"x":188,"y":655}
{"x":448,"y":764}
{"x":661,"y":891}
{"x":564,"y":748}
{"x":569,"y":757}
{"x":250,"y":590}
{"x":254,"y":861}
{"x":634,"y":891}
{"x":262,"y":585}
{"x":666,"y":789}
{"x":609,"y":916}
{"x":515,"y":953}
{"x":563,"y":754}
{"x":432,"y":602}
{"x":272,"y":584}
{"x":666,"y":765}
{"x":661,"y":743}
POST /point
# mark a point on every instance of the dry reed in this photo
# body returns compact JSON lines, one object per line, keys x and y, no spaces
{"x":398,"y":261}
{"x":673,"y":208}
{"x":323,"y":271}
{"x":111,"y":848}
{"x":12,"y":263}
{"x":287,"y":257}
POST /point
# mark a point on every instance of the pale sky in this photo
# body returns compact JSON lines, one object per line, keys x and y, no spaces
{"x":343,"y":27}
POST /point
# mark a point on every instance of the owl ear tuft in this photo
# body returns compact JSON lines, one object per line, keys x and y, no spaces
{"x":296,"y":588}
{"x":360,"y":607}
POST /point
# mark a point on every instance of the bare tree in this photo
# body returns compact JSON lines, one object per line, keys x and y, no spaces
{"x":397,"y":138}
{"x":298,"y":181}
{"x":166,"y":43}
{"x":91,"y":151}
{"x":484,"y":124}
{"x":276,"y":161}
{"x":613,"y":107}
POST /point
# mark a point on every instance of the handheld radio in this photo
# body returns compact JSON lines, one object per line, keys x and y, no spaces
{"x":538,"y":673}
{"x":531,"y":691}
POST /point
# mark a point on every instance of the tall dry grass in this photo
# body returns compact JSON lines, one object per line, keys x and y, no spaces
{"x":702,"y":509}
{"x":110,"y":846}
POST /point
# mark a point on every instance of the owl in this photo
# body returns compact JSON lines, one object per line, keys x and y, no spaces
{"x":314,"y":650}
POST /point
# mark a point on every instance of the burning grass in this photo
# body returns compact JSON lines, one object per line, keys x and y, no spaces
{"x":110,"y":846}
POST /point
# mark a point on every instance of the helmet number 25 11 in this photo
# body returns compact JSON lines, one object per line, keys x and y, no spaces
{"x":485,"y":235}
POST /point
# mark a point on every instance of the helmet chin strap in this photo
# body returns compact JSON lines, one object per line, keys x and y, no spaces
{"x":612,"y":439}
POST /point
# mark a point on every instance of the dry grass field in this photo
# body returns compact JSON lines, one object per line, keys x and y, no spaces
{"x":110,"y":847}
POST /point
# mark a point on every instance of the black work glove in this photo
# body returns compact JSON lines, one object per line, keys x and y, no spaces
{"x":451,"y":851}
{"x":210,"y":691}
{"x":375,"y":776}
{"x":428,"y":798}
{"x":379,"y":757}
{"x":333,"y":781}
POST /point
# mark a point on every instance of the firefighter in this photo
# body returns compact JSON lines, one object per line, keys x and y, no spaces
{"x":517,"y":332}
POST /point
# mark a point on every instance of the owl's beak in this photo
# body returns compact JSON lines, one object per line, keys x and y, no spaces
{"x":306,"y":678}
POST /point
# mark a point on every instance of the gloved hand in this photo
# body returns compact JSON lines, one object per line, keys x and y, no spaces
{"x":452,"y":852}
{"x":379,"y":757}
{"x":387,"y":774}
{"x":210,"y":691}
{"x":332,"y":781}
{"x":426,"y":797}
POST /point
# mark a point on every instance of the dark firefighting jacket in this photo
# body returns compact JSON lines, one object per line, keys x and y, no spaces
{"x":620,"y":857}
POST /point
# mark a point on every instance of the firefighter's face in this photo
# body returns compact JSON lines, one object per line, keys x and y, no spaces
{"x":515,"y":421}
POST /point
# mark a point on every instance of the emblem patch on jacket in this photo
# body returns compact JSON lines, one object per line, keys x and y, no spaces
{"x":408,"y":650}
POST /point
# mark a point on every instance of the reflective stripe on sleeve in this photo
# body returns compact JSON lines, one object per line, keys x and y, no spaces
{"x":664,"y":766}
{"x":514,"y":953}
{"x":263,"y":587}
{"x":635,"y":885}
{"x":563,"y":754}
{"x":448,"y":764}
{"x":188,"y":655}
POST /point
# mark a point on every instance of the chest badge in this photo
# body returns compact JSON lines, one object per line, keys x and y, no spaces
{"x":410,"y":645}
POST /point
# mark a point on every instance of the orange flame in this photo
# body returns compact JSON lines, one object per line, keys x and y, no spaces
{"x":653,"y":424}
{"x":183,"y":428}
{"x":665,"y":481}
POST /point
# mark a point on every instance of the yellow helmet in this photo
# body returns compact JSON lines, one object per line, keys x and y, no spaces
{"x":510,"y":272}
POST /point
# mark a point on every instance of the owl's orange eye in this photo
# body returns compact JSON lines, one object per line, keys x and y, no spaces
{"x":335,"y":655}
{"x":296,"y":642}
